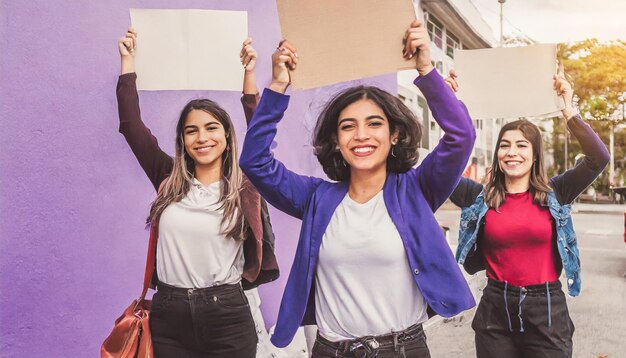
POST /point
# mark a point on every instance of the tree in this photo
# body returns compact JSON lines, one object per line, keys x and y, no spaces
{"x":598,"y":73}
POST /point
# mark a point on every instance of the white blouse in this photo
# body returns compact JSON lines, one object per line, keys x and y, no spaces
{"x":192,"y":251}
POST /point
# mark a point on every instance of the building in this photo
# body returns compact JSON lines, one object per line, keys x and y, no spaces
{"x":451,"y":24}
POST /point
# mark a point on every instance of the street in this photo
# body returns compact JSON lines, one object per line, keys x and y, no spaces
{"x":598,"y":313}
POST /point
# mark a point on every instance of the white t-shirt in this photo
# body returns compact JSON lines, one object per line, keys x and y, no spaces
{"x":364,"y":285}
{"x":192,"y":251}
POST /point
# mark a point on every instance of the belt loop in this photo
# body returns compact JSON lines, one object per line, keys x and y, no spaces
{"x":396,"y":349}
{"x":204,"y":297}
{"x":549,"y":306}
{"x":522,"y":296}
{"x":506,"y":306}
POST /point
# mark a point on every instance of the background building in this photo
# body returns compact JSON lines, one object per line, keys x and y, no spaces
{"x":451,"y":24}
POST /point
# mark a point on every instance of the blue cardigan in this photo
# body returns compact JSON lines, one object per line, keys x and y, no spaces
{"x":411,"y":199}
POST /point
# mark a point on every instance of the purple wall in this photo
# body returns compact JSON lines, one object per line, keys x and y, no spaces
{"x":73,"y":198}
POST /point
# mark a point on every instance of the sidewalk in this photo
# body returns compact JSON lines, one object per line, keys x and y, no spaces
{"x":598,"y":208}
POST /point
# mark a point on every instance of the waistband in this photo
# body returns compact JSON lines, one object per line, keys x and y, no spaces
{"x":213,"y":290}
{"x":541,"y":288}
{"x":374,"y":342}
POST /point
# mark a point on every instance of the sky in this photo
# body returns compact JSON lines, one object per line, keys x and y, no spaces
{"x":550,"y":21}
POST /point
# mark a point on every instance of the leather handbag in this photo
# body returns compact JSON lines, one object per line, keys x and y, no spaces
{"x":130,"y":337}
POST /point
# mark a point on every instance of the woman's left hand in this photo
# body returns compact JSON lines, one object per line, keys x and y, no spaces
{"x":417,"y":44}
{"x":248,"y":55}
{"x":565,"y":90}
{"x":451,"y":81}
{"x":284,"y":60}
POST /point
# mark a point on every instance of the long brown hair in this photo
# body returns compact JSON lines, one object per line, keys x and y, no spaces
{"x":539,"y":185}
{"x":179,"y":182}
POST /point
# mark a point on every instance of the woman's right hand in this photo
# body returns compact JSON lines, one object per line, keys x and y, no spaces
{"x":128,"y":42}
{"x":126,"y":45}
{"x":284,"y":60}
{"x":451,"y":81}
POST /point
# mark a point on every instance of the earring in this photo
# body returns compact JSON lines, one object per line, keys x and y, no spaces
{"x":340,"y":159}
{"x":392,"y":152}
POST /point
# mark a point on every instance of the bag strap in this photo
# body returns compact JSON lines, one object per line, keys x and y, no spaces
{"x":151,"y":258}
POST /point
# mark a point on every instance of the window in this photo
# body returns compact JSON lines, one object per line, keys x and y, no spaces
{"x":439,"y":66}
{"x":435,"y":31}
{"x":452,"y":43}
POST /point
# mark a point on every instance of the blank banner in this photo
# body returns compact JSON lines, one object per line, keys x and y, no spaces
{"x":343,"y":40}
{"x":189,"y":49}
{"x":508,"y":82}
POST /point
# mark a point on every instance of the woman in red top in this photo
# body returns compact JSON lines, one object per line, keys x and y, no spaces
{"x":518,"y":227}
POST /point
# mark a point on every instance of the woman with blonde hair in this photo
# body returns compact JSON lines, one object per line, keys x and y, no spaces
{"x":213,"y":239}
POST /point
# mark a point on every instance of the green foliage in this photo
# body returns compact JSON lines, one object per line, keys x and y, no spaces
{"x":598,"y":73}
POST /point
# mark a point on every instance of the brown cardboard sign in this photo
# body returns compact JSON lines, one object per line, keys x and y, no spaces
{"x":343,"y":40}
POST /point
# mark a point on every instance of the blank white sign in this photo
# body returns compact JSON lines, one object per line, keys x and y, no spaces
{"x":508,"y":82}
{"x":189,"y":49}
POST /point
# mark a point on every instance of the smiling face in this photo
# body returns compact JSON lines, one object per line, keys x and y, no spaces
{"x":204,"y":138}
{"x":515,"y":156}
{"x":363,"y":136}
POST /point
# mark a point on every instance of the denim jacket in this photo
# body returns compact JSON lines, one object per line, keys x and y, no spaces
{"x":566,"y":187}
{"x":469,"y":256}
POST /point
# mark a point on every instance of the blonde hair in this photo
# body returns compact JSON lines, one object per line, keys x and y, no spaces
{"x":179,"y":182}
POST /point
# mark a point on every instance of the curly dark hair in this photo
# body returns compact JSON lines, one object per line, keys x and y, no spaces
{"x":400,"y":117}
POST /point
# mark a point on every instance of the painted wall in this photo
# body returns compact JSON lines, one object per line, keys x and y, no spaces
{"x":72,"y":196}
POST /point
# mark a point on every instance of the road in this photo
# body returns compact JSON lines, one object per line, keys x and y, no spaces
{"x":599,"y":313}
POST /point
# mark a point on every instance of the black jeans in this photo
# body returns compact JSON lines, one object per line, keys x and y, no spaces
{"x":529,"y":322}
{"x":410,"y":343}
{"x":206,"y":322}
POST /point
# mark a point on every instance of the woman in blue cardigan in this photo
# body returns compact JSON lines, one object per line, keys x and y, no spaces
{"x":371,"y":258}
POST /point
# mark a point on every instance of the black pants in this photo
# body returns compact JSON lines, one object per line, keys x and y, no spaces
{"x":410,"y":343}
{"x":207,"y":322}
{"x":528,"y":322}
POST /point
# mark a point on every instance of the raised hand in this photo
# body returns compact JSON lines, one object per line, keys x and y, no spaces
{"x":451,"y":81}
{"x":284,"y":60}
{"x":564,"y":89}
{"x":126,"y":45}
{"x":248,"y":55}
{"x":417,"y":44}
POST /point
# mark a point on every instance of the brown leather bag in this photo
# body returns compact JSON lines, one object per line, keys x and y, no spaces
{"x":130,"y":337}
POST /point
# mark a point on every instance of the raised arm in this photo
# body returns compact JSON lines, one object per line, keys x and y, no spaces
{"x":156,"y":164}
{"x":284,"y":189}
{"x":440,"y":171}
{"x":250,"y":97}
{"x":574,"y":181}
